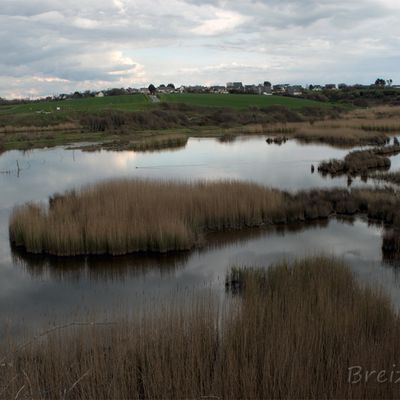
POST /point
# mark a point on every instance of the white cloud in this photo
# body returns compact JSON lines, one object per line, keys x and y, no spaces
{"x":51,"y":46}
{"x":221,"y":22}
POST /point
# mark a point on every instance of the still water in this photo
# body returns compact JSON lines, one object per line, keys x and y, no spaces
{"x":36,"y":291}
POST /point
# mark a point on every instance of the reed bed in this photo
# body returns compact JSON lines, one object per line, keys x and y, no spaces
{"x":130,"y":216}
{"x":63,"y":127}
{"x":363,"y":163}
{"x":392,"y":177}
{"x":127,"y":216}
{"x":346,"y":136}
{"x":155,"y":143}
{"x":359,"y":127}
{"x":292,"y":331}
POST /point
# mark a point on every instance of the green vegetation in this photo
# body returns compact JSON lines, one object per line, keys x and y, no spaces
{"x":89,"y":104}
{"x":125,"y":122}
{"x":140,"y":102}
{"x":293,"y":331}
{"x":239,"y":100}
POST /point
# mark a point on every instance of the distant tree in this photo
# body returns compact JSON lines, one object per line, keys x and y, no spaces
{"x":152,"y":89}
{"x":311,"y":87}
{"x":115,"y":92}
{"x":380,"y":82}
{"x":267,"y":83}
{"x":389,"y":82}
{"x":171,"y":86}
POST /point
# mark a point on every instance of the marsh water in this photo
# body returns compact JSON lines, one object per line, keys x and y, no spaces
{"x":36,"y":291}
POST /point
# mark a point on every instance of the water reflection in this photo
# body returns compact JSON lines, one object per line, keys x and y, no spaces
{"x":97,"y":268}
{"x":36,"y":290}
{"x":122,"y":268}
{"x":45,"y":171}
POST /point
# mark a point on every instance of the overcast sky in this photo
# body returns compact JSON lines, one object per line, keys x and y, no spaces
{"x":55,"y":46}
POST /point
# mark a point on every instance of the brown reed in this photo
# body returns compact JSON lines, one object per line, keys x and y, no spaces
{"x":293,"y":332}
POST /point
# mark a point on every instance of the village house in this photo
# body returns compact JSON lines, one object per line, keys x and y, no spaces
{"x":295,"y":90}
{"x":280,"y":88}
{"x":330,"y":86}
{"x":235,"y":87}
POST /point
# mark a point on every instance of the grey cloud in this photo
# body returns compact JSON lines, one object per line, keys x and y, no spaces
{"x":105,"y":42}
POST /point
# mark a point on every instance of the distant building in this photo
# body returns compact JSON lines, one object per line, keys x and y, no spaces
{"x":315,"y":88}
{"x":100,"y":94}
{"x":252,"y":89}
{"x":295,"y":90}
{"x":218,"y":89}
{"x":235,"y":86}
{"x":330,"y":86}
{"x":281,"y":88}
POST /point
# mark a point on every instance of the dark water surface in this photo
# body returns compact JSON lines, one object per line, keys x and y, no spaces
{"x":36,"y":291}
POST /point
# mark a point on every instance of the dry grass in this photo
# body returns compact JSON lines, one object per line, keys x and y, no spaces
{"x":129,"y":216}
{"x":392,"y":177}
{"x":361,"y":162}
{"x":358,"y":127}
{"x":126,"y":216}
{"x":345,"y":136}
{"x":63,"y":127}
{"x":154,"y":143}
{"x":147,"y":144}
{"x":294,"y":333}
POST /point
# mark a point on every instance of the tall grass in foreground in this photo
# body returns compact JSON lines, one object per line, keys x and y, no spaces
{"x":126,"y":216}
{"x":293,"y":332}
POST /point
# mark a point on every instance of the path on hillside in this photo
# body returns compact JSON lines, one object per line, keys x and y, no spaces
{"x":154,"y":99}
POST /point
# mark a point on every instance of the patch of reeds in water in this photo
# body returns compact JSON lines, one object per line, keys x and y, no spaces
{"x":301,"y":330}
{"x":127,"y":216}
{"x":159,"y":142}
{"x":361,"y":162}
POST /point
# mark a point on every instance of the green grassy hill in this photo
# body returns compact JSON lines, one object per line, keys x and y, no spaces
{"x":128,"y":102}
{"x":140,"y":101}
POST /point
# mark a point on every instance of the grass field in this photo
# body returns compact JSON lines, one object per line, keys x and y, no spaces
{"x":132,"y":102}
{"x":239,"y":100}
{"x":140,"y":101}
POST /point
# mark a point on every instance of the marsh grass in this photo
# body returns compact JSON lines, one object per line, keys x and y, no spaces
{"x":363,"y":163}
{"x":159,"y":142}
{"x":291,"y":331}
{"x":359,"y":127}
{"x":130,"y":216}
{"x":392,"y":177}
{"x":127,"y":216}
